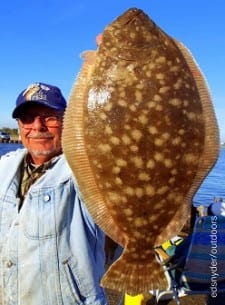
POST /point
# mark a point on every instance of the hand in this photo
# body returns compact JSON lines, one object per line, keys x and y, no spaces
{"x":99,"y":39}
{"x":218,"y":208}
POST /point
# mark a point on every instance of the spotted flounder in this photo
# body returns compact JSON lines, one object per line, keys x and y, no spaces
{"x":140,"y":136}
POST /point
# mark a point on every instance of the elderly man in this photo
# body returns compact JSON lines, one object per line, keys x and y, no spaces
{"x":51,"y":251}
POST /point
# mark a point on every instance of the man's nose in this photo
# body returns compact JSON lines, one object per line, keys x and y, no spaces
{"x":38,"y":123}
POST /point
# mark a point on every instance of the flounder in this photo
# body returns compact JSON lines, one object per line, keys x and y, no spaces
{"x":140,"y":136}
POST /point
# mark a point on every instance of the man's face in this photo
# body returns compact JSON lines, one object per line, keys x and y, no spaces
{"x":40,"y":130}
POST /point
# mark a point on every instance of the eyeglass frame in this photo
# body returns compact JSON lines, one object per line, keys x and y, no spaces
{"x":58,"y":119}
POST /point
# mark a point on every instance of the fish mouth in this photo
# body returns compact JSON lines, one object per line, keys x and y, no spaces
{"x":129,"y":16}
{"x":133,"y":33}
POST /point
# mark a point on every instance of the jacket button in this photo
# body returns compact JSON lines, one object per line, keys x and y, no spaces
{"x":9,"y":264}
{"x":46,"y":198}
{"x":65,"y":261}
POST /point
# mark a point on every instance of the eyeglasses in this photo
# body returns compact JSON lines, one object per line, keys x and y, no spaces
{"x":48,"y":120}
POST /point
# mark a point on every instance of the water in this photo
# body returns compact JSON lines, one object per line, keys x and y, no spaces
{"x":6,"y":147}
{"x":213,"y":185}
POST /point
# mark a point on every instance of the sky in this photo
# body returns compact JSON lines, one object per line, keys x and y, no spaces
{"x":42,"y":41}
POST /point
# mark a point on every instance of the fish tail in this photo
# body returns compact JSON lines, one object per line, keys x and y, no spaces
{"x":135,"y":277}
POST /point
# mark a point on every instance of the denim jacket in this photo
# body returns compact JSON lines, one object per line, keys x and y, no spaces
{"x":51,"y":251}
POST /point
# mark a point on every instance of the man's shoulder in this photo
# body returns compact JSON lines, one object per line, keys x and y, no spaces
{"x":61,"y":167}
{"x":20,"y":152}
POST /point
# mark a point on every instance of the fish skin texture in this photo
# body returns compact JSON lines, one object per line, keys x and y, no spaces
{"x":140,"y":135}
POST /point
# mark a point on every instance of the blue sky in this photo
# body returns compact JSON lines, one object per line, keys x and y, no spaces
{"x":42,"y":41}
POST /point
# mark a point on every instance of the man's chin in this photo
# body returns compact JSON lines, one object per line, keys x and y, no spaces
{"x":43,"y":153}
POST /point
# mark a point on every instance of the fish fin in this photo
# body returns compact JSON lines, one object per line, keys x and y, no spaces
{"x":212,"y":142}
{"x":210,"y":151}
{"x":176,"y":224}
{"x":74,"y":148}
{"x":134,"y":277}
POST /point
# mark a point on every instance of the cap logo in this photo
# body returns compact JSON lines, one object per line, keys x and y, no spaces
{"x":36,"y":92}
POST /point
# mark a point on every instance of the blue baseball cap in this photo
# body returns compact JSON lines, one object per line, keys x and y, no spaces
{"x":41,"y":94}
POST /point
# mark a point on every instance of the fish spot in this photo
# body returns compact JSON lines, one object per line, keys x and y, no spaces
{"x":158,"y":206}
{"x":174,"y":68}
{"x":158,"y":156}
{"x":127,"y":127}
{"x":160,"y":76}
{"x":174,"y":172}
{"x":150,"y":164}
{"x":148,"y":73}
{"x":178,"y":84}
{"x":168,"y":163}
{"x":139,"y":192}
{"x":129,"y":191}
{"x":155,"y":226}
{"x":114,"y":197}
{"x":118,"y":181}
{"x":161,"y":59}
{"x":162,"y":82}
{"x":152,"y":130}
{"x":158,"y":142}
{"x":108,"y":185}
{"x":189,"y":158}
{"x":162,"y":190}
{"x":157,"y":98}
{"x":178,"y":198}
{"x":181,"y":132}
{"x":116,"y":169}
{"x":175,"y":102}
{"x":126,"y":139}
{"x":121,"y":162}
{"x":186,"y":103}
{"x":152,"y":65}
{"x":138,"y":222}
{"x":166,"y":136}
{"x":136,"y":135}
{"x":170,"y":212}
{"x":103,"y":116}
{"x":138,"y":162}
{"x":143,"y":256}
{"x":143,"y":119}
{"x":143,"y":176}
{"x":159,"y":107}
{"x":108,"y":107}
{"x":140,"y":86}
{"x":104,"y":148}
{"x":149,"y":190}
{"x":115,"y":140}
{"x":137,"y":235}
{"x":176,"y":141}
{"x":191,"y":116}
{"x":128,"y":212}
{"x":164,"y":89}
{"x":108,"y":130}
{"x":122,"y":94}
{"x":122,"y":103}
{"x":98,"y":165}
{"x":138,"y":96}
{"x":133,"y":108}
{"x":135,"y":256}
{"x":172,"y":180}
{"x":151,"y":104}
{"x":134,"y":148}
{"x":152,"y":218}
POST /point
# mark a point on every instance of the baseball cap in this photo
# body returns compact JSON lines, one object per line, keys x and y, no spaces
{"x":42,"y":94}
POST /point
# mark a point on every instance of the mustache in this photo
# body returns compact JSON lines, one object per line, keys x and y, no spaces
{"x":40,"y":135}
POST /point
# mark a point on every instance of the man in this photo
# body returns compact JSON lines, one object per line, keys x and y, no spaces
{"x":51,"y":251}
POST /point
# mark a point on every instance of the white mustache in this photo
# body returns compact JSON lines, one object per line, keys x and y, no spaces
{"x":40,"y":135}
